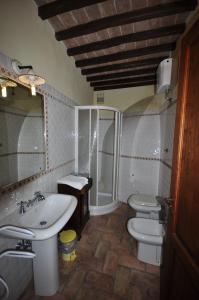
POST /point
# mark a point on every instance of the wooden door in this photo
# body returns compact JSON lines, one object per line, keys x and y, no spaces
{"x":180,"y":270}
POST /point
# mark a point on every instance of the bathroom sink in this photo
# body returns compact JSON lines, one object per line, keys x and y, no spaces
{"x":43,"y":220}
{"x":41,"y":224}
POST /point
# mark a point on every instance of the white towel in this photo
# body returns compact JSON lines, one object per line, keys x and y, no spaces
{"x":76,"y":182}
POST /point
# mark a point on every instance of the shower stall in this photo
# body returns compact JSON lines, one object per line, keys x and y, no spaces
{"x":97,"y":152}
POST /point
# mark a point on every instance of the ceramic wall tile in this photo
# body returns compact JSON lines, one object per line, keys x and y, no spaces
{"x":167,"y":126}
{"x":138,"y":176}
{"x":140,"y":154}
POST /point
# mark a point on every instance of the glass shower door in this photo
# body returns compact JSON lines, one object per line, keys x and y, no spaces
{"x":83,"y":142}
{"x":94,"y":124}
{"x":106,"y":156}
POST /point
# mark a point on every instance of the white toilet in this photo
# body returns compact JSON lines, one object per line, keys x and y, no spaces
{"x":145,"y":228}
{"x":146,"y":206}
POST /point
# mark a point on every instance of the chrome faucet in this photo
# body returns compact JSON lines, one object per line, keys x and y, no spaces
{"x":22,"y":207}
{"x":39,"y":196}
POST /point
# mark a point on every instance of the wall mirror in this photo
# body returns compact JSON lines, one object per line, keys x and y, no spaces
{"x":22,"y":133}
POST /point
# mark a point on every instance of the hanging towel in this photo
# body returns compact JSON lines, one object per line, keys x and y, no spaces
{"x":76,"y":182}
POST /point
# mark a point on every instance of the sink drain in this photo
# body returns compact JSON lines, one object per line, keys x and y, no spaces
{"x":43,"y":223}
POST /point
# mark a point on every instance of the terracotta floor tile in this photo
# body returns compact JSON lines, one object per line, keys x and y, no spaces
{"x":147,"y":284}
{"x":74,"y":283}
{"x":54,"y":297}
{"x":99,"y":281}
{"x":110,"y":263}
{"x":102,"y":248}
{"x":130,"y":261}
{"x":115,"y":224}
{"x":134,"y":293}
{"x":87,"y":293}
{"x":152,"y":269}
{"x":122,"y":280}
{"x":88,"y":262}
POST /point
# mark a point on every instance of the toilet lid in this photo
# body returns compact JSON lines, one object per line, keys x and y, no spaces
{"x":141,"y":199}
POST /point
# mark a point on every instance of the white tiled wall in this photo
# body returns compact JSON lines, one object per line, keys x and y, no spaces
{"x":18,"y":272}
{"x":167,"y":125}
{"x":146,"y":152}
{"x":140,"y":153}
{"x":141,"y":136}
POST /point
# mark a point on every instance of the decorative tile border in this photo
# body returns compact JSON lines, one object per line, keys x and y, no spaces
{"x":131,"y":157}
{"x":168,"y":105}
{"x":106,"y":119}
{"x":46,"y":130}
{"x":134,"y":115}
{"x":140,"y":158}
{"x":166,"y":164}
{"x":107,"y":153}
{"x":21,"y":153}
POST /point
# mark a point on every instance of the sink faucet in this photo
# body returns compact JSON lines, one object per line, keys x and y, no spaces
{"x":39,"y":196}
{"x":22,"y":207}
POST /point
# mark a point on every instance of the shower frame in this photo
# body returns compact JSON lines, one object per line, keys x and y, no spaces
{"x":98,"y":209}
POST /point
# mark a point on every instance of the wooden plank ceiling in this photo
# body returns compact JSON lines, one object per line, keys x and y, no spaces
{"x":117,"y":43}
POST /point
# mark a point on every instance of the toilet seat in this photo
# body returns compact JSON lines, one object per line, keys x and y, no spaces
{"x":146,"y":230}
{"x":143,"y":202}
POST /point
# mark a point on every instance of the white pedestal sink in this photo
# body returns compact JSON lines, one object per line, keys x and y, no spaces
{"x":45,"y":266}
{"x":41,"y":223}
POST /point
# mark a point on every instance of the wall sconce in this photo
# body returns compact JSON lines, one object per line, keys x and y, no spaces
{"x":28,"y":77}
{"x":4,"y":84}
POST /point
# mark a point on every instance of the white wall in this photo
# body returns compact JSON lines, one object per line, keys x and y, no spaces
{"x":122,"y":99}
{"x":167,"y":126}
{"x":27,"y":38}
{"x":140,"y":152}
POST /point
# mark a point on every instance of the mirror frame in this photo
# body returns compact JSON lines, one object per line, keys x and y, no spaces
{"x":12,"y":186}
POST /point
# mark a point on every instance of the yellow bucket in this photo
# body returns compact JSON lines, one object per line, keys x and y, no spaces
{"x":67,"y":237}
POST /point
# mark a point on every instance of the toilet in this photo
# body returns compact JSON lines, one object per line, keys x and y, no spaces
{"x":145,"y":228}
{"x":149,"y":235}
{"x":146,"y":206}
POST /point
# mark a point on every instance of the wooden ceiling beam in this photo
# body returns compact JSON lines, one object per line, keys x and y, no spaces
{"x":61,"y":6}
{"x":129,"y":38}
{"x":127,"y":18}
{"x":124,"y":81}
{"x":122,"y":74}
{"x":125,"y":55}
{"x":128,"y":65}
{"x":122,"y":86}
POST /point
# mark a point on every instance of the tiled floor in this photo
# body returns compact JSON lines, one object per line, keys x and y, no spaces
{"x":106,"y":267}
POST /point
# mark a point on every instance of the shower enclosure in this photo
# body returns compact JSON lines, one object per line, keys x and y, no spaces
{"x":97,"y":151}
